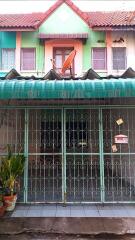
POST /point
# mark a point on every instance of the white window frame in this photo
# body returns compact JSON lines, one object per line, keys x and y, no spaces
{"x":9,"y":67}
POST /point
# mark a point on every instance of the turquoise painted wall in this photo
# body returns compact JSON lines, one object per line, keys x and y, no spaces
{"x":30,"y":40}
{"x":7,"y":40}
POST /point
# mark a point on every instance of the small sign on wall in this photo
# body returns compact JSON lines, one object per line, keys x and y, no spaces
{"x":119,"y":121}
{"x":121,"y":138}
{"x":114,"y":148}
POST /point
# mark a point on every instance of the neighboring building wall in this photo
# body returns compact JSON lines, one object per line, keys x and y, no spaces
{"x":7,"y":40}
{"x":112,"y":41}
{"x":130,"y":49}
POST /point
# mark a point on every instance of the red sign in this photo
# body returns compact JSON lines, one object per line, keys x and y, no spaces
{"x":121,"y":138}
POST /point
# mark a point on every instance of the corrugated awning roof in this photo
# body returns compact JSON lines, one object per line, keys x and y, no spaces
{"x":63,"y":36}
{"x":66,"y":89}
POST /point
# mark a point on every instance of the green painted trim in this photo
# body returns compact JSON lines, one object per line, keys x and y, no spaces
{"x":101,"y":150}
{"x":26,"y":155}
{"x":64,"y":157}
{"x":62,"y":139}
{"x":69,"y":107}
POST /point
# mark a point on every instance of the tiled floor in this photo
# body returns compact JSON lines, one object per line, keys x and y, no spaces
{"x":74,"y":211}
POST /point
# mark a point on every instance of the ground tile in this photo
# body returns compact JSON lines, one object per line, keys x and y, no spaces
{"x":92,"y":213}
{"x":40,"y":207}
{"x":75,"y":213}
{"x":63,"y":214}
{"x":106,"y":213}
{"x":34,"y":213}
{"x":19,"y":213}
{"x":48,"y":213}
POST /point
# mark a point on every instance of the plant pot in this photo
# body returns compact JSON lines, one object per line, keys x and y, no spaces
{"x":9,"y":202}
{"x":2,"y":210}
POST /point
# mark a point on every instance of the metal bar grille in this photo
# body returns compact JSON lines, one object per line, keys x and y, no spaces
{"x":119,"y":163}
{"x":45,"y":156}
{"x":83,"y":169}
{"x":71,"y":154}
{"x":12,"y":132}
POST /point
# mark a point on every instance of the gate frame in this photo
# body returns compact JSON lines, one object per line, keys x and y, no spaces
{"x":63,"y":117}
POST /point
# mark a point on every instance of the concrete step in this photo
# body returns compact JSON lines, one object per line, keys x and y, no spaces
{"x":67,"y":225}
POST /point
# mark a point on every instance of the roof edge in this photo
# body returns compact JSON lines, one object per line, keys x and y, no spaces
{"x":113,"y":28}
{"x":70,"y":4}
{"x":15,"y":29}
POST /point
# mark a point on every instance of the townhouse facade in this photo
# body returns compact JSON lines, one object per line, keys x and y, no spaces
{"x":77,"y":135}
{"x":103,"y":41}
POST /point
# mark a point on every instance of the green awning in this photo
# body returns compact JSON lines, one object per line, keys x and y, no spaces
{"x":66,"y":89}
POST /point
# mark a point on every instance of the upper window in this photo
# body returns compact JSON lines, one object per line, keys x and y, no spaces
{"x":60,"y":54}
{"x":28,"y":56}
{"x":119,"y":58}
{"x":8,"y":58}
{"x":99,"y":58}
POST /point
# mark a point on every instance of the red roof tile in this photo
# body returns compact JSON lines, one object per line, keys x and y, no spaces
{"x":21,"y":20}
{"x":117,"y":18}
{"x":30,"y":22}
{"x":34,"y":20}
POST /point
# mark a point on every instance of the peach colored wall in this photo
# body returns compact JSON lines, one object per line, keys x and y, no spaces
{"x":18,"y":50}
{"x":109,"y":50}
{"x":78,"y":46}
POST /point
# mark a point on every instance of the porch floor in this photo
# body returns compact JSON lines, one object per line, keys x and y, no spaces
{"x":56,"y":210}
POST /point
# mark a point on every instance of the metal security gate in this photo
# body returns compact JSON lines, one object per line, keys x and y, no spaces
{"x":71,"y":157}
{"x":64,"y":160}
{"x":119,"y":158}
{"x":71,"y":154}
{"x":82,"y":155}
{"x":45,"y":155}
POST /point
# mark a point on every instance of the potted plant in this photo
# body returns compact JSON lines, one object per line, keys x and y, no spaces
{"x":2,"y":206}
{"x":11,"y":167}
